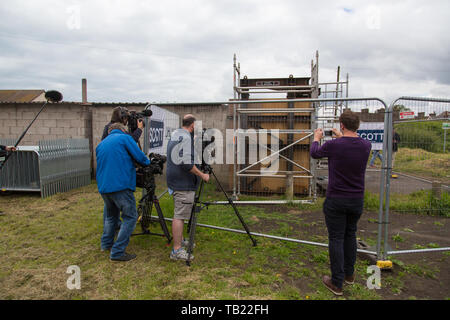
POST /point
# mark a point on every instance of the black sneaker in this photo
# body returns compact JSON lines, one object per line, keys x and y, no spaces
{"x":125,"y":257}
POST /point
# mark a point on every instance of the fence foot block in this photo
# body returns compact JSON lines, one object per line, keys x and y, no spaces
{"x":384,"y":264}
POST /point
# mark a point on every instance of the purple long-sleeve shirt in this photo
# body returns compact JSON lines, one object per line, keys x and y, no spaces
{"x":347,"y":161}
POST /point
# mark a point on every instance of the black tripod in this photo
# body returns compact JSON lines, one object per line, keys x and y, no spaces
{"x":145,"y":207}
{"x":199,"y":205}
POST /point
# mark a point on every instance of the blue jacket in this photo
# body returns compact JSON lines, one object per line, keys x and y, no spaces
{"x":115,"y":167}
{"x":180,"y":160}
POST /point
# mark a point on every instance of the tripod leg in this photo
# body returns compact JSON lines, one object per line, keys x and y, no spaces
{"x":196,"y":201}
{"x":235,"y":209}
{"x":162,"y":222}
{"x":196,"y":208}
{"x":193,"y":221}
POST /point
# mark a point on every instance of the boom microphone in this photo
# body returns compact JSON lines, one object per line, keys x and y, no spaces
{"x":53,"y":96}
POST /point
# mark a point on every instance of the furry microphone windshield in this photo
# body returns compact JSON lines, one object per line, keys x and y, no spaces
{"x":53,"y":96}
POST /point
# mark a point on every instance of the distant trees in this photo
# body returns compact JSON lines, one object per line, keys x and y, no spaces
{"x":400,"y":108}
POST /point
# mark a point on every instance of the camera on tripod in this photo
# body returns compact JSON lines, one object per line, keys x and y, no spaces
{"x":205,"y":140}
{"x":145,"y":176}
{"x":133,"y":117}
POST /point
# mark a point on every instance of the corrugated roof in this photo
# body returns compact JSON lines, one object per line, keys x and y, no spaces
{"x":19,"y":95}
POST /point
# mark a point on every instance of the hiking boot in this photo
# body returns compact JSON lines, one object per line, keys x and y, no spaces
{"x":330,"y":286}
{"x":350,"y":279}
{"x":185,"y":243}
{"x":125,"y":257}
{"x":106,"y":249}
{"x":180,"y":254}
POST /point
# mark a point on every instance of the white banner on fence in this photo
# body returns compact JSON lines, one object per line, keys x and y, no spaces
{"x":373,"y":132}
{"x":162,"y":124}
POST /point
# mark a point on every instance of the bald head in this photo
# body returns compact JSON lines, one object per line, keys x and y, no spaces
{"x":188,"y":121}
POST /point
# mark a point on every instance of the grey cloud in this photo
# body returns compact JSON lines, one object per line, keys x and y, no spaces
{"x":153,"y":50}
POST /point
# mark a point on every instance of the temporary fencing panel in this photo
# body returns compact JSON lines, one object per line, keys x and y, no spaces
{"x":417,"y":164}
{"x":294,"y":120}
{"x":51,"y":167}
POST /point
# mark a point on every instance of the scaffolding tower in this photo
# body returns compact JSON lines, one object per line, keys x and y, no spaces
{"x":287,"y":115}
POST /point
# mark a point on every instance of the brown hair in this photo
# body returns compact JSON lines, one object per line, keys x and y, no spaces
{"x":350,"y":120}
{"x":119,"y":114}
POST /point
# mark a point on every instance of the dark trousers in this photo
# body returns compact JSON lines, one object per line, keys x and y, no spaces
{"x":341,"y":218}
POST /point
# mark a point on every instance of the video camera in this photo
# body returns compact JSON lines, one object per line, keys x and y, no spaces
{"x":145,"y":176}
{"x":205,"y":140}
{"x":133,"y":117}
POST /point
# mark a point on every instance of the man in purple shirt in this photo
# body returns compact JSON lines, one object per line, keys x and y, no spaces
{"x":347,"y":160}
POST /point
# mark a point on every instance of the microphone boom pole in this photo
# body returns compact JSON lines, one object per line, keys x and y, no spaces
{"x":53,"y":96}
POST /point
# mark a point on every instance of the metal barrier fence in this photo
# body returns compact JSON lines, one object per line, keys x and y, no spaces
{"x":417,"y":163}
{"x":311,"y":114}
{"x":51,"y":167}
{"x":295,"y":126}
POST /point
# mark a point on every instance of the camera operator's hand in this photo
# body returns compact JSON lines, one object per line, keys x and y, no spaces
{"x":205,"y":177}
{"x":10,"y":148}
{"x":318,"y":134}
{"x":336,"y":133}
{"x":140,"y":124}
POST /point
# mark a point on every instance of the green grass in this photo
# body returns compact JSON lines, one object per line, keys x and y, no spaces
{"x":427,"y":135}
{"x":42,"y":237}
{"x":421,"y":202}
{"x":423,"y":163}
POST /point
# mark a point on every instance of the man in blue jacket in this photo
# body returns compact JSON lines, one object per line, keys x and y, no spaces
{"x":116,"y":182}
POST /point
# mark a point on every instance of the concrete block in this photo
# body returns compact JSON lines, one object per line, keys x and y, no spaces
{"x":76,"y":123}
{"x":56,"y":131}
{"x":49,"y":123}
{"x":43,"y":130}
{"x":27,"y":115}
{"x":63,"y":124}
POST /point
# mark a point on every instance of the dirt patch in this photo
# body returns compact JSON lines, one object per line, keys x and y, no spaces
{"x":414,"y":276}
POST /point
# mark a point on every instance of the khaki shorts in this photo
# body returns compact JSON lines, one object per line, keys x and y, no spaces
{"x":183,"y":202}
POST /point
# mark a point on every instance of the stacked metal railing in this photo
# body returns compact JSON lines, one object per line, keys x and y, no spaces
{"x":51,"y":167}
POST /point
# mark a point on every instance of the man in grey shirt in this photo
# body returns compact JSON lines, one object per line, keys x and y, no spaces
{"x":182,"y":181}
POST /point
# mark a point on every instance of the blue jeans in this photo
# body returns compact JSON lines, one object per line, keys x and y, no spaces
{"x":375,"y":154}
{"x":104,"y":218}
{"x":116,"y":202}
{"x":341,"y":218}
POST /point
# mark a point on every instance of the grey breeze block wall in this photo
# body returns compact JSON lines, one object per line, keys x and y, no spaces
{"x":71,"y":120}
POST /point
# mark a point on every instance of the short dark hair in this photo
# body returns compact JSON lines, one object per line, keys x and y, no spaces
{"x":188,"y":120}
{"x":350,"y":120}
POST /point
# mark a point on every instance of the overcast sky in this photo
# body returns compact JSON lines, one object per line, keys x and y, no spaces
{"x":160,"y":51}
